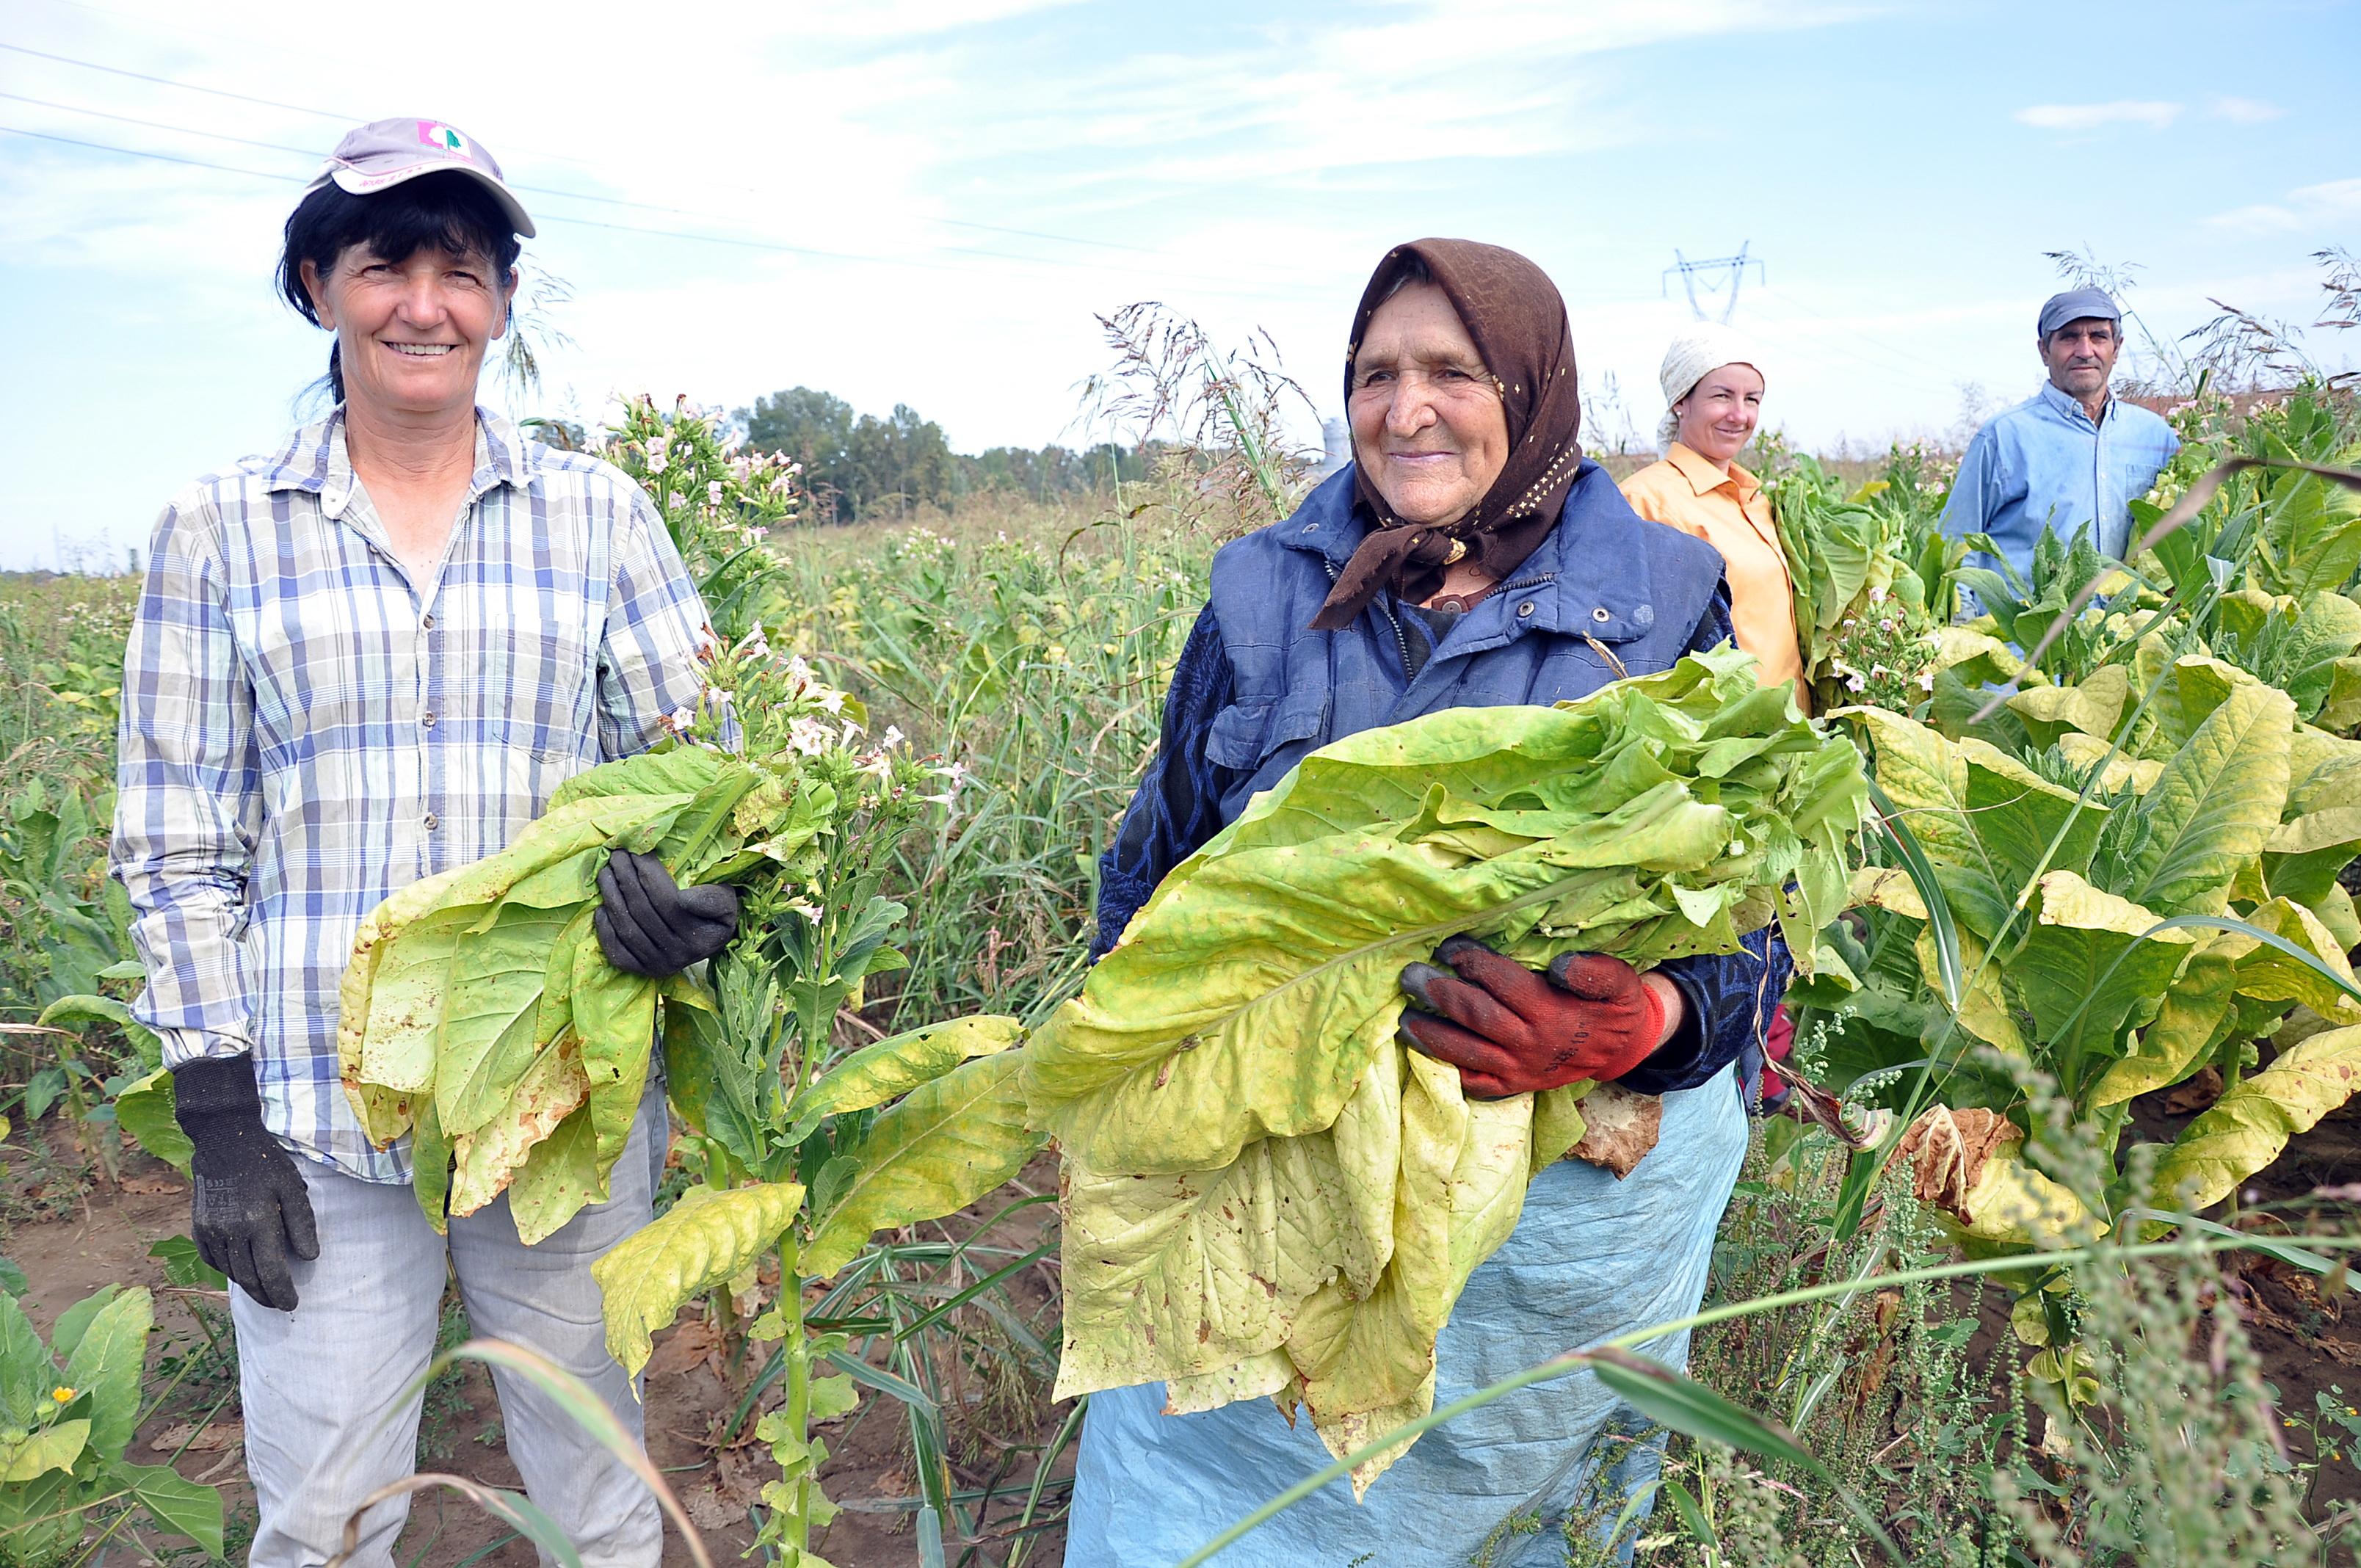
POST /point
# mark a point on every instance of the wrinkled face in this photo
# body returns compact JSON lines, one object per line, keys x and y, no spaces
{"x":412,"y":333}
{"x":2082,"y":355}
{"x":1428,"y":426}
{"x":1719,"y":416}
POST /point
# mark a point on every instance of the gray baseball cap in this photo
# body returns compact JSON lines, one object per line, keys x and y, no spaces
{"x":383,"y":153}
{"x":2076,"y":305}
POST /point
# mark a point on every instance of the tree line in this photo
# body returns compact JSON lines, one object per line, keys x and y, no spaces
{"x":857,"y":466}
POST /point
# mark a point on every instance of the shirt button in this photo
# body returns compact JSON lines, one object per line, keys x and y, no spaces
{"x":1526,"y":608}
{"x":432,"y":822}
{"x":427,"y":621}
{"x":1600,"y":615}
{"x":426,"y":719}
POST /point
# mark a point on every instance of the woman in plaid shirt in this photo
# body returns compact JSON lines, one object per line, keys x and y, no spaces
{"x":365,"y":658}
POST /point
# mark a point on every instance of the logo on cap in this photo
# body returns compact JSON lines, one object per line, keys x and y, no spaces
{"x":434,"y":133}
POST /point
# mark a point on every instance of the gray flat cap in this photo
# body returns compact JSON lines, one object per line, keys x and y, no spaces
{"x":2075,"y":305}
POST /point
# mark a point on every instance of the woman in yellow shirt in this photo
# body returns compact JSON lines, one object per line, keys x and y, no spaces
{"x":1713,"y":381}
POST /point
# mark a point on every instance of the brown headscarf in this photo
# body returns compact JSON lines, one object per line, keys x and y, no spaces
{"x":1516,"y":319}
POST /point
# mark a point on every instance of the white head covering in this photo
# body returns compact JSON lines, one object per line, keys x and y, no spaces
{"x":1696,"y":352}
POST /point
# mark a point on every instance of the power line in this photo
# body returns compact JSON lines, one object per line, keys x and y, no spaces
{"x":347,"y":119}
{"x":168,"y":81}
{"x":773,"y":246}
{"x":160,"y":157}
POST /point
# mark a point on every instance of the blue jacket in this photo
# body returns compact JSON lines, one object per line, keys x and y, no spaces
{"x":1256,"y":689}
{"x":2045,"y":462}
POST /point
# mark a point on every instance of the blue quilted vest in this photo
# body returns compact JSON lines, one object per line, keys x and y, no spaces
{"x":1604,"y":588}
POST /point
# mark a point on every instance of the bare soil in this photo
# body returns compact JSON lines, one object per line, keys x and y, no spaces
{"x":73,"y":1231}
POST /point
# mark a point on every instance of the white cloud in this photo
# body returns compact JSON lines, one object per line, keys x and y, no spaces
{"x":2306,"y":207}
{"x":2079,"y":117}
{"x":2243,"y":111}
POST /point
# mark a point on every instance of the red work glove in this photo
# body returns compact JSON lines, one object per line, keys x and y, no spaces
{"x":1509,"y":1031}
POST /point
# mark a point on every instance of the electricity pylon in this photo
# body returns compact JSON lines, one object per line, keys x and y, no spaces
{"x":1733,"y":267}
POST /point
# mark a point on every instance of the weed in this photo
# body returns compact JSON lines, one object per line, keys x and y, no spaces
{"x":445,"y":1400}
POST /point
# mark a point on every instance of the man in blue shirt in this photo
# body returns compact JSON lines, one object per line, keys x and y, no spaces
{"x":2072,"y":457}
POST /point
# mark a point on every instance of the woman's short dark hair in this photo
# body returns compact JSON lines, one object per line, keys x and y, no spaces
{"x":449,"y":212}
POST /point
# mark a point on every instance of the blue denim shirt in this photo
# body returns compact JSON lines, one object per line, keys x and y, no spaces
{"x":2045,"y":461}
{"x":1256,"y":689}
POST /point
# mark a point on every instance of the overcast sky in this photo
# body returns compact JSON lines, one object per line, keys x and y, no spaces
{"x":923,"y":202}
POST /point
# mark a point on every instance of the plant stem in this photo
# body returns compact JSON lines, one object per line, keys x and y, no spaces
{"x":797,"y":1346}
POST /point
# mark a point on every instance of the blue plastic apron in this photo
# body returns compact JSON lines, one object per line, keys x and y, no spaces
{"x":1591,"y":1258}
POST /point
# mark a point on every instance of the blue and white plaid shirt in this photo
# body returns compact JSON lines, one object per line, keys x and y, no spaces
{"x":306,"y":729}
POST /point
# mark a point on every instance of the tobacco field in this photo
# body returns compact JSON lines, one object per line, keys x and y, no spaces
{"x":2049,"y":1266}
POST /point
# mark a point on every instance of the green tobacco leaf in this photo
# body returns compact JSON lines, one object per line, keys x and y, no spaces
{"x":88,"y":1009}
{"x":2089,"y":967}
{"x":408,"y":1000}
{"x":27,"y":1371}
{"x":52,"y":1448}
{"x":393,"y":989}
{"x":936,"y":1150}
{"x":615,"y":1014}
{"x":106,"y":1363}
{"x":65,"y":1335}
{"x":716,"y":1089}
{"x":144,"y":1110}
{"x":668,"y":769}
{"x":2192,"y":1020}
{"x":895,"y":1066}
{"x":2309,"y":538}
{"x":493,"y":1014}
{"x":2246,"y":1129}
{"x":1983,"y":820}
{"x":2215,"y":805}
{"x":708,"y":1237}
{"x":2320,"y":829}
{"x":178,"y":1507}
{"x":1259,"y":980}
{"x":560,"y":1177}
{"x":488,"y":1159}
{"x":1179,"y":1275}
{"x":183,"y":1267}
{"x":2094,"y":708}
{"x":2306,"y":965}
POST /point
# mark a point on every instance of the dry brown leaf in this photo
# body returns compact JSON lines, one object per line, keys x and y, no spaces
{"x":152,"y":1186}
{"x":739,"y":1477}
{"x":707,"y":1509}
{"x":215,"y":1438}
{"x":2193,"y":1094}
{"x":690,"y":1344}
{"x":1618,"y":1127}
{"x":1946,"y":1149}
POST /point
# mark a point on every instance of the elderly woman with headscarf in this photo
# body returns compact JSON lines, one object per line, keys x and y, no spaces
{"x":1469,"y":556}
{"x":1712,"y":379}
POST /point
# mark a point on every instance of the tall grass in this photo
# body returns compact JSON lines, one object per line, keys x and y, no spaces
{"x":1031,"y":646}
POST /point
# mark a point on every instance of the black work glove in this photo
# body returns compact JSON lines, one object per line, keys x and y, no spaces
{"x":249,"y":1209}
{"x":649,"y":925}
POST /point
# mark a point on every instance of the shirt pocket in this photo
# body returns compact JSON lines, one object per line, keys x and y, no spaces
{"x":1244,"y":734}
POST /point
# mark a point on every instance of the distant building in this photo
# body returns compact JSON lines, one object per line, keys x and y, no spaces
{"x":1336,"y":444}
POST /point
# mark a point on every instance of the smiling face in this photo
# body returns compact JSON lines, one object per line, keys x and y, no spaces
{"x":1719,"y":416}
{"x":2081,"y":356}
{"x":1428,"y":426}
{"x":412,"y":333}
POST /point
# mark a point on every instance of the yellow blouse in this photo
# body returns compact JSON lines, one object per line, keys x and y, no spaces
{"x":1729,"y":512}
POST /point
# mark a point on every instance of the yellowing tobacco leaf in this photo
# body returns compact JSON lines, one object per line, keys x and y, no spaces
{"x":1254,"y":1168}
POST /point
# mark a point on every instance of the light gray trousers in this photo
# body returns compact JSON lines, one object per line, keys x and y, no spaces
{"x":331,"y":1414}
